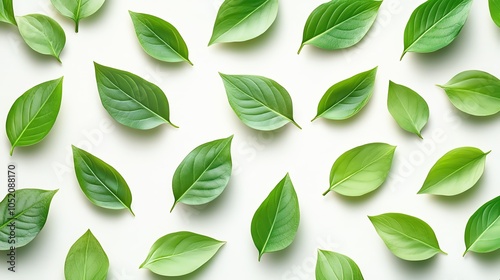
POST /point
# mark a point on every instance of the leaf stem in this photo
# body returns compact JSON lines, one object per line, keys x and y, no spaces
{"x":12,"y":150}
{"x":173,"y":206}
{"x":327,"y":191}
{"x":300,"y":49}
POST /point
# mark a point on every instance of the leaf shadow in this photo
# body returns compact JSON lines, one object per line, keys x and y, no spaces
{"x":142,"y":135}
{"x":354,"y":200}
{"x":475,"y":120}
{"x":38,"y":57}
{"x":491,"y":258}
{"x":36,"y":149}
{"x":286,"y":255}
{"x":418,"y":267}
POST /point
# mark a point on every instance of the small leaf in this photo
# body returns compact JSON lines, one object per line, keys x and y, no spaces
{"x":43,"y":34}
{"x":86,"y":260}
{"x":28,"y":218}
{"x":455,"y":172}
{"x":361,"y":170}
{"x":474,"y":92}
{"x":131,"y":100}
{"x":409,"y":109}
{"x":276,"y":221}
{"x":242,"y":20}
{"x":408,"y":237}
{"x":33,"y":114}
{"x":77,"y":9}
{"x":7,"y":12}
{"x":180,"y":253}
{"x":434,"y":25}
{"x":159,"y":39}
{"x":331,"y":265}
{"x":482,"y":233}
{"x":339,"y":24}
{"x":259,"y":102}
{"x":495,"y":11}
{"x":100,"y":182}
{"x":346,"y":98}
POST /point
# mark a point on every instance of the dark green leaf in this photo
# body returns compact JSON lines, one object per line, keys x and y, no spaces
{"x":7,"y":12}
{"x":482,"y":233}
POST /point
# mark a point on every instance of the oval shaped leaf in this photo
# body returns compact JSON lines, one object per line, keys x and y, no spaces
{"x":408,"y":108}
{"x":408,"y":237}
{"x":100,"y":182}
{"x":42,"y":34}
{"x":180,"y":253}
{"x":276,"y":221}
{"x":259,"y":102}
{"x":346,"y":98}
{"x":86,"y":260}
{"x":331,"y":265}
{"x":33,"y":114}
{"x":131,"y":100}
{"x":28,"y":217}
{"x":159,"y":39}
{"x":455,"y":172}
{"x":7,"y":12}
{"x":339,"y":24}
{"x":482,"y":233}
{"x":242,"y":20}
{"x":434,"y":25}
{"x":474,"y":92}
{"x":495,"y":11}
{"x":361,"y":170}
{"x":77,"y":10}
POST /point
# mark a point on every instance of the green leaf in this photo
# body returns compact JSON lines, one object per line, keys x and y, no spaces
{"x":259,"y":102}
{"x":86,"y":260}
{"x":100,"y":182}
{"x":7,"y":12}
{"x":43,"y":34}
{"x":408,"y":237}
{"x":346,"y":98}
{"x":495,"y":11}
{"x":455,"y":172}
{"x":77,"y":9}
{"x":131,"y":100}
{"x":482,"y":233}
{"x":361,"y":170}
{"x":159,"y":39}
{"x":434,"y":25}
{"x":28,"y":218}
{"x":409,"y":109}
{"x":474,"y":92}
{"x":276,"y":221}
{"x":180,"y":253}
{"x":339,"y":24}
{"x":242,"y":20}
{"x":203,"y":174}
{"x":335,"y":266}
{"x":33,"y":114}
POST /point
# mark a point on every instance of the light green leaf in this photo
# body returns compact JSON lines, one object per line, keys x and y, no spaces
{"x":482,"y":233}
{"x":346,"y":98}
{"x":180,"y":253}
{"x":242,"y":20}
{"x":159,"y":39}
{"x":7,"y":12}
{"x":495,"y":11}
{"x":276,"y":221}
{"x":339,"y":24}
{"x":100,"y":182}
{"x":335,"y":266}
{"x":77,"y":9}
{"x":408,"y":237}
{"x":33,"y":114}
{"x":86,"y":260}
{"x":361,"y":170}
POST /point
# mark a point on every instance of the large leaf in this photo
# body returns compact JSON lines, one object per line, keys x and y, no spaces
{"x":408,"y":237}
{"x":346,"y":98}
{"x":455,"y":172}
{"x":259,"y":102}
{"x":77,"y":9}
{"x":131,"y":100}
{"x":242,"y":20}
{"x":28,"y":217}
{"x":33,"y":114}
{"x":409,"y":109}
{"x":100,"y":182}
{"x":434,"y":25}
{"x":495,"y":11}
{"x":339,"y":24}
{"x":7,"y":12}
{"x":474,"y":92}
{"x":203,"y":174}
{"x":361,"y":170}
{"x":86,"y":260}
{"x":335,"y":266}
{"x":159,"y":39}
{"x":276,"y":221}
{"x":482,"y":233}
{"x":43,"y":34}
{"x":180,"y":253}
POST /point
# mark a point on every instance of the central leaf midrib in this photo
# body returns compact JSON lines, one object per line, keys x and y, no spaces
{"x":274,"y":220}
{"x":151,"y":261}
{"x":21,"y":213}
{"x":413,"y":122}
{"x":471,"y":91}
{"x":483,"y":233}
{"x":415,"y":239}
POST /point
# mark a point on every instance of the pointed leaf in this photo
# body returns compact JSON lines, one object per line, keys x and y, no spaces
{"x":77,"y":9}
{"x":495,"y":11}
{"x":86,"y":260}
{"x":482,"y":233}
{"x":335,"y":266}
{"x":7,"y":12}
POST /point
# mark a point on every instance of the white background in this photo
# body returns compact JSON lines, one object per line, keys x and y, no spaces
{"x":199,"y":106}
